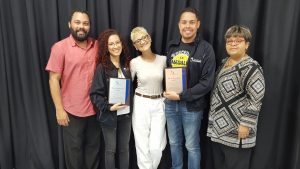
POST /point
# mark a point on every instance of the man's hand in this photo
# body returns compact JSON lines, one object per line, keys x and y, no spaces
{"x":62,"y":118}
{"x":61,"y":115}
{"x":243,"y":132}
{"x":117,"y":106}
{"x":171,"y":95}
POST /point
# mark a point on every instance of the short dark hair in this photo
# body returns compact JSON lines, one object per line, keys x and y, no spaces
{"x":192,"y":10}
{"x":238,"y":31}
{"x":79,"y":11}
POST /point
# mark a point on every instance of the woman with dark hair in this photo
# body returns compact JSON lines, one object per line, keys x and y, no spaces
{"x":115,"y":120}
{"x":235,"y":103}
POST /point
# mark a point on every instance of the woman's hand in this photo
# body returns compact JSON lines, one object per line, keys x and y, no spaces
{"x":243,"y":131}
{"x":117,"y":106}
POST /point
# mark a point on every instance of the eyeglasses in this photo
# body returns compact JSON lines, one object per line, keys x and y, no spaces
{"x":236,"y":41}
{"x":143,"y":38}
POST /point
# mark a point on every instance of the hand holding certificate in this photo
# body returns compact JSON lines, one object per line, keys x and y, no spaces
{"x":119,"y":91}
{"x":175,"y":79}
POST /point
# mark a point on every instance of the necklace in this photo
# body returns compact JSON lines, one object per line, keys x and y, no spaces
{"x":228,"y":63}
{"x":149,"y":58}
{"x":116,"y":64}
{"x":231,"y":62}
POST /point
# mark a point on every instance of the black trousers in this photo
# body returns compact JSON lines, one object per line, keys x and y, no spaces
{"x":117,"y":137}
{"x":82,"y":142}
{"x":226,"y":157}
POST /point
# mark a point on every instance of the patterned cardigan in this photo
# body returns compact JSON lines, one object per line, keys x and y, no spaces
{"x":236,"y":99}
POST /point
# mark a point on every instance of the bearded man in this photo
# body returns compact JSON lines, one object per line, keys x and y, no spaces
{"x":71,"y":69}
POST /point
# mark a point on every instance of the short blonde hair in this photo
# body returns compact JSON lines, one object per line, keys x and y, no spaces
{"x":137,"y":30}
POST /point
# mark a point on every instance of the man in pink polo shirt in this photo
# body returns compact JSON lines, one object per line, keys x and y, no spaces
{"x":71,"y":69}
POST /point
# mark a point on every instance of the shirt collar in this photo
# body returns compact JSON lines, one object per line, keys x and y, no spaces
{"x":90,"y":42}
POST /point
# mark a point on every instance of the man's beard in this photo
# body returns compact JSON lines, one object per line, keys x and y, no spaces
{"x":81,"y":37}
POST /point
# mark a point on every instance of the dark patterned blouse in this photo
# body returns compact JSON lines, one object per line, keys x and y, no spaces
{"x":236,"y":99}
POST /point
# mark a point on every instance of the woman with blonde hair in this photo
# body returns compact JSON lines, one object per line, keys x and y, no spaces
{"x":148,"y":119}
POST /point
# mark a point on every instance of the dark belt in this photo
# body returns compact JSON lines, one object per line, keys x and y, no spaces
{"x":149,"y":97}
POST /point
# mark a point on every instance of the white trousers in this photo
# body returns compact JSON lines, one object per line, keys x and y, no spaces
{"x":148,"y":123}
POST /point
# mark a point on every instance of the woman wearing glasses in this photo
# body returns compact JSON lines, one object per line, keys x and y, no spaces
{"x":115,"y":119}
{"x":148,"y":119}
{"x":235,"y":103}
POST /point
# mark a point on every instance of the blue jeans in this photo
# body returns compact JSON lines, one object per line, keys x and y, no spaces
{"x":180,"y":121}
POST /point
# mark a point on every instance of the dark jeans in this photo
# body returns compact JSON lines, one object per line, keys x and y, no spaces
{"x":226,"y":157}
{"x":82,"y":142}
{"x":117,"y":137}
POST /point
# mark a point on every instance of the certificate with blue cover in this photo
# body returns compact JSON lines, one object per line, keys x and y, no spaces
{"x":175,"y":79}
{"x":119,"y":91}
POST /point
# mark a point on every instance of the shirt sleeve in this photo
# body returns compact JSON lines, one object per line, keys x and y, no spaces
{"x":56,"y":59}
{"x":255,"y":89}
{"x":205,"y":83}
{"x":164,"y":62}
{"x":98,"y":93}
{"x":132,"y":69}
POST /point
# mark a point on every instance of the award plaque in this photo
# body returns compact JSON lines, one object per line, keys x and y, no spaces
{"x":119,"y":91}
{"x":175,"y":79}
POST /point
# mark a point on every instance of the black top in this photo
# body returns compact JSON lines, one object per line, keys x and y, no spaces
{"x":200,"y":71}
{"x":99,"y":95}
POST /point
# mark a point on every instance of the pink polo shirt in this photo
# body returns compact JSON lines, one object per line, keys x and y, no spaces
{"x":76,"y":66}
